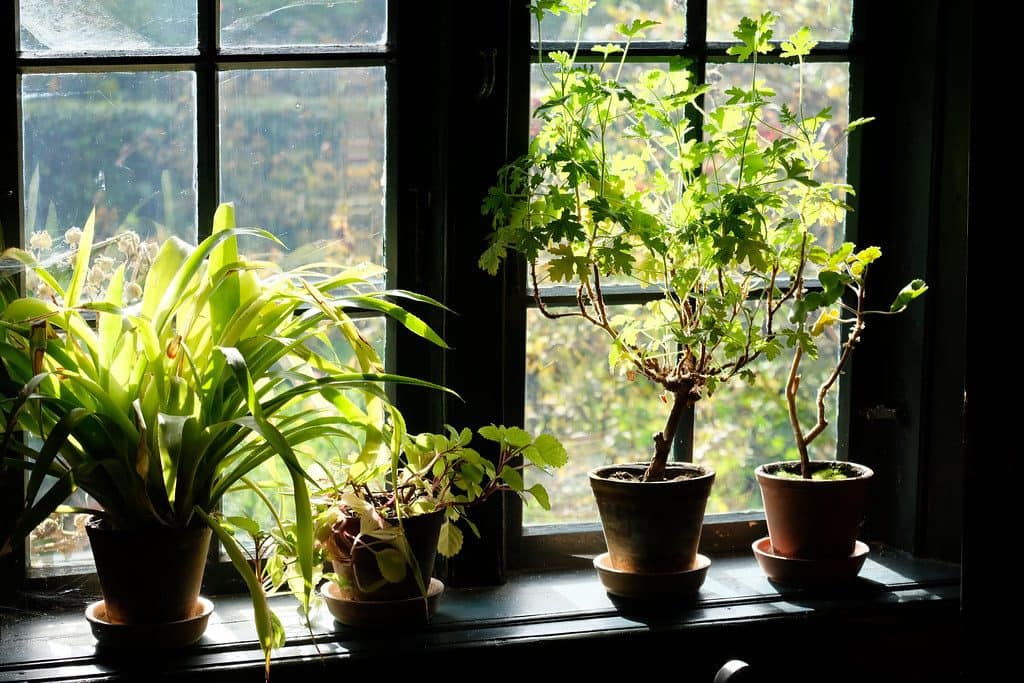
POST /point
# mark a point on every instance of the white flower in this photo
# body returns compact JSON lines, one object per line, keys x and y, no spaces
{"x":41,"y":240}
{"x":73,"y":235}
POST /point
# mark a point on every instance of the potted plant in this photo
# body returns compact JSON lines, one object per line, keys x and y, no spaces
{"x":395,"y":501}
{"x":157,"y":396}
{"x":618,"y":183}
{"x":814,"y":508}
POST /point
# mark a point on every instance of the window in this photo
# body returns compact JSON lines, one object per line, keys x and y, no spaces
{"x":259,"y":121}
{"x":154,"y":112}
{"x":569,"y":391}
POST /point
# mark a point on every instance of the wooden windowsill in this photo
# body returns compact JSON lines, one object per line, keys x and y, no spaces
{"x":566,"y":613}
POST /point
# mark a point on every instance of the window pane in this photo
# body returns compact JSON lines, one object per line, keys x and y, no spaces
{"x":601,"y":418}
{"x":59,"y":544}
{"x":106,"y":25}
{"x":273,"y":476}
{"x":253,"y":23}
{"x":302,"y":154}
{"x":122,"y":142}
{"x":599,"y":23}
{"x":826,"y":84}
{"x":829,"y":20}
{"x":604,"y":419}
{"x":745,"y":425}
{"x":618,"y":142}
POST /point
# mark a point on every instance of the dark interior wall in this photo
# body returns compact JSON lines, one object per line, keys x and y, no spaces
{"x":990,"y":595}
{"x":912,"y":184}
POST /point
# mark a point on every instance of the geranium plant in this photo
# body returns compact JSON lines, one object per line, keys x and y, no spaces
{"x":620,"y":184}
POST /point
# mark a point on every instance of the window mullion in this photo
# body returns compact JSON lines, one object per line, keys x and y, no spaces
{"x":207,"y":139}
{"x":12,"y":567}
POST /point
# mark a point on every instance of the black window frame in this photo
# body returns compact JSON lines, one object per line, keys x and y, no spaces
{"x":457,"y":99}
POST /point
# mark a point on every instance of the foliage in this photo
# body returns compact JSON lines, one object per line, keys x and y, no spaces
{"x":713,"y":222}
{"x":390,"y":475}
{"x":842,"y":272}
{"x":156,"y":409}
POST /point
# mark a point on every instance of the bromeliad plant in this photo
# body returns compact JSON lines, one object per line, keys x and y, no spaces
{"x":157,"y":409}
{"x":619,"y":184}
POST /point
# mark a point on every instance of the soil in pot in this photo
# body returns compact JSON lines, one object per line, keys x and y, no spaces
{"x":148,"y":576}
{"x":357,"y":563}
{"x":652,"y":527}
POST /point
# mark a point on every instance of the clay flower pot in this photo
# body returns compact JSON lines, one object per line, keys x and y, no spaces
{"x":652,"y":529}
{"x":813,"y":524}
{"x":151,"y":575}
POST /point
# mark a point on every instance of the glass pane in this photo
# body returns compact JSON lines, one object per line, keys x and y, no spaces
{"x":604,"y":419}
{"x":273,"y":477}
{"x":60,"y":544}
{"x":618,"y":142}
{"x":107,"y":25}
{"x":829,"y":20}
{"x":599,"y":24}
{"x":600,"y":418}
{"x":826,"y":84}
{"x":302,"y":155}
{"x":122,"y":142}
{"x":745,"y":425}
{"x":254,"y":23}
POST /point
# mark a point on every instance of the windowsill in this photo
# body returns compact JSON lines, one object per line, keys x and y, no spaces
{"x":548,"y":610}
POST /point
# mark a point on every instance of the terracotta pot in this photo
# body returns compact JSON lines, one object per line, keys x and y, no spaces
{"x":652,"y":527}
{"x":811,"y":518}
{"x":358,"y":565}
{"x":148,"y":576}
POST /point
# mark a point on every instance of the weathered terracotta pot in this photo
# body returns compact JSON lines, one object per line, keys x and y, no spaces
{"x":811,"y":518}
{"x":652,"y":527}
{"x":148,"y":576}
{"x":358,"y":565}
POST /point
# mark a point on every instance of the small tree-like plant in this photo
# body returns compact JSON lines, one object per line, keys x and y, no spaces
{"x":620,"y":183}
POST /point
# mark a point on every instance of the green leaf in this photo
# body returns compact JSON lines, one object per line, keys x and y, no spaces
{"x":269,"y":629}
{"x":226,"y":299}
{"x":492,"y":433}
{"x":550,"y":450}
{"x":911,"y":291}
{"x":799,"y":44}
{"x":512,"y":477}
{"x":754,"y":36}
{"x":391,"y":564}
{"x":540,"y":494}
{"x":449,"y":543}
{"x":608,"y":49}
{"x":517,"y":438}
{"x":247,"y":525}
{"x":81,"y":269}
{"x":636,"y":28}
{"x":857,"y":123}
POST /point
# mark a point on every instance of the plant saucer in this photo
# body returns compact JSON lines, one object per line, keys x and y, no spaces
{"x":804,"y":572}
{"x":156,"y":636}
{"x":649,"y":585}
{"x":386,"y":613}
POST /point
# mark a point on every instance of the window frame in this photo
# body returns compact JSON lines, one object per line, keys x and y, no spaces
{"x":471,"y":70}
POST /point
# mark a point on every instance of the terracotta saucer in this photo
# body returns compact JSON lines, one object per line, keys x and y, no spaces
{"x":158,"y":636}
{"x":370,"y":613}
{"x":651,"y":585}
{"x":803,"y":572}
